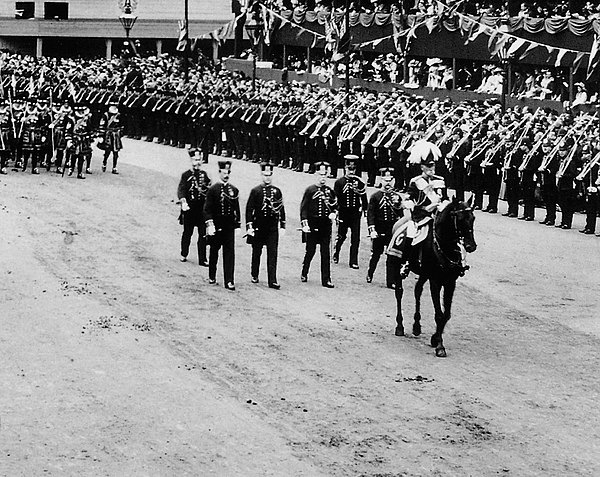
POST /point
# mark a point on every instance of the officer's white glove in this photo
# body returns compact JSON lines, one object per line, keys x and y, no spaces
{"x":332,"y":216}
{"x":305,"y":227}
{"x":210,"y":228}
{"x":373,"y":235}
{"x":184,"y":205}
{"x":249,"y":230}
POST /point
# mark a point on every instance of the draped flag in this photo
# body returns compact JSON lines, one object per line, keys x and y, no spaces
{"x":594,"y":57}
{"x":337,"y":39}
{"x":183,"y":36}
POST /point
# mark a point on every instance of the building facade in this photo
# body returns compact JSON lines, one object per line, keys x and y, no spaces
{"x":91,"y":28}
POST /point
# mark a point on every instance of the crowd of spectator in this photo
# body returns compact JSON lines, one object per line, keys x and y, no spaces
{"x":526,"y":81}
{"x":499,"y":8}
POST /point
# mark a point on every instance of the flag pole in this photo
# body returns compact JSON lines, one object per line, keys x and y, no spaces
{"x":347,"y":19}
{"x":186,"y":59}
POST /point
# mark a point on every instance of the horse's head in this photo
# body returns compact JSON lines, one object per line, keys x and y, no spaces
{"x":462,"y":213}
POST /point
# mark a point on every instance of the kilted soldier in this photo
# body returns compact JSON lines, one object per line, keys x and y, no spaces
{"x":317,"y":211}
{"x":191,"y":192}
{"x":32,"y":142}
{"x":79,"y":136}
{"x":265,"y":217}
{"x":222,"y":214}
{"x":58,"y":129}
{"x":384,"y":209}
{"x":351,"y":193}
{"x":110,"y":126}
{"x":6,"y":139}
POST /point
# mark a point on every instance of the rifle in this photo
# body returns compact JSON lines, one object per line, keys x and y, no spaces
{"x":537,"y":145}
{"x":588,"y":167}
{"x":562,"y":168}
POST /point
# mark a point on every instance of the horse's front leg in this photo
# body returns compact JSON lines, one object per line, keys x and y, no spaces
{"x":449,"y":288}
{"x":418,"y":292}
{"x":440,"y":319}
{"x":398,"y":292}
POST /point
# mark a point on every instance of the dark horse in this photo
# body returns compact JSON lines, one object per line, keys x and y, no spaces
{"x":438,"y":259}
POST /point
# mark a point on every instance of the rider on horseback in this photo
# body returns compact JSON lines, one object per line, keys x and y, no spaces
{"x":426,"y":195}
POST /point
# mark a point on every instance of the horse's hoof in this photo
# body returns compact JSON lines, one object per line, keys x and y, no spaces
{"x":440,"y":352}
{"x":434,"y":341}
{"x":417,"y":329}
{"x":399,"y":331}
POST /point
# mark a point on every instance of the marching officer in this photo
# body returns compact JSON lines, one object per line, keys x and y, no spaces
{"x":111,"y":128}
{"x":191,"y":193}
{"x":351,"y":193}
{"x":317,"y":211}
{"x":385,"y":207}
{"x":222,"y":214}
{"x":265,"y":217}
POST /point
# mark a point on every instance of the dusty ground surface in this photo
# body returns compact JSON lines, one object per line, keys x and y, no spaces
{"x":117,"y":359}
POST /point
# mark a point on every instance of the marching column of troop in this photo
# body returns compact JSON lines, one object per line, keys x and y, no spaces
{"x":533,"y":158}
{"x":38,"y":134}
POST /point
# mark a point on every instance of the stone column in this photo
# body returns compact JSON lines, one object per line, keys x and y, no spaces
{"x":39,"y":47}
{"x":159,"y":47}
{"x":108,"y":43}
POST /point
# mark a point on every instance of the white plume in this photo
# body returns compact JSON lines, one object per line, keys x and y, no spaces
{"x":422,"y":150}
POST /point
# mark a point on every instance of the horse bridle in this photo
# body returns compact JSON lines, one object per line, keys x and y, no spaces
{"x":459,"y":234}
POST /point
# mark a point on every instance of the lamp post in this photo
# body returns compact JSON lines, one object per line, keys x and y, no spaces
{"x":504,"y":55}
{"x":254,"y":28}
{"x":127,"y":18}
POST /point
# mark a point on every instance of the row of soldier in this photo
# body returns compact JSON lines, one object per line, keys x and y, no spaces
{"x":327,"y":215}
{"x":44,"y":135}
{"x":296,"y":124}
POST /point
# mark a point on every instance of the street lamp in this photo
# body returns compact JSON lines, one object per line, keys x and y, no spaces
{"x":254,"y":28}
{"x":505,"y":57}
{"x":127,"y":18}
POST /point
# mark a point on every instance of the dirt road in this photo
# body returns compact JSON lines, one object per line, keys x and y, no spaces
{"x":120,"y":360}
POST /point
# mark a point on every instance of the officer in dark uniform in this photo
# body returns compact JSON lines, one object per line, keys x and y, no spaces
{"x":265,"y":216}
{"x":351,"y":193}
{"x":548,"y":170}
{"x":590,"y":182}
{"x":191,"y":193}
{"x":513,"y":158}
{"x":317,"y":211}
{"x":529,"y":166}
{"x":570,"y":166}
{"x":222,"y":213}
{"x":385,"y":207}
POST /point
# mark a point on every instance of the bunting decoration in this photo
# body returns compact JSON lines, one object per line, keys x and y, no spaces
{"x":519,"y":48}
{"x":594,"y":58}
